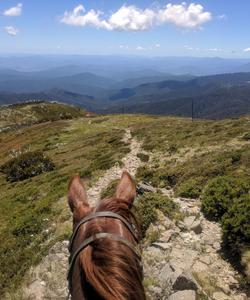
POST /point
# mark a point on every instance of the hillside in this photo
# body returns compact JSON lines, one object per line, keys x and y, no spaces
{"x":213,"y":97}
{"x":25,"y":114}
{"x":186,"y":167}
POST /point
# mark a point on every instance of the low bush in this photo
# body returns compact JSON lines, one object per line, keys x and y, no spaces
{"x":143,"y":157}
{"x":220,"y":194}
{"x":236,"y":223}
{"x":191,"y":188}
{"x":27,"y":165}
{"x":246,"y":136}
{"x":146,"y":209}
{"x":158,"y":177}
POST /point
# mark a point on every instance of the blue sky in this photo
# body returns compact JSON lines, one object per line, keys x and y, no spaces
{"x":154,"y":28}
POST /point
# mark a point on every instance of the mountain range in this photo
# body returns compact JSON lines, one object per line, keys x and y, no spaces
{"x":132,"y":85}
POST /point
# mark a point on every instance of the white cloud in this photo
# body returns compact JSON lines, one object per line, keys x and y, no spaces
{"x":183,"y":15}
{"x":215,"y":49}
{"x":140,"y":48}
{"x":14,"y":11}
{"x":247,"y":50}
{"x":11,"y":30}
{"x":77,"y":17}
{"x":191,"y":48}
{"x":132,"y":18}
{"x":157,"y":45}
{"x":124,"y":47}
{"x":222,"y":17}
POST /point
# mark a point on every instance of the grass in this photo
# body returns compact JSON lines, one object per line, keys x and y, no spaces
{"x":30,"y":207}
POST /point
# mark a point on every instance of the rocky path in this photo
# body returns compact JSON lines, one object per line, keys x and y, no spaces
{"x":130,"y":163}
{"x":184,"y":263}
{"x":48,"y":279}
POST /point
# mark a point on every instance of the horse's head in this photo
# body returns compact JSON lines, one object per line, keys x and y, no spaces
{"x":104,"y":262}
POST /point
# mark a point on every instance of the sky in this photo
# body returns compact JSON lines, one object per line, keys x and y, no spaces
{"x":217,"y":28}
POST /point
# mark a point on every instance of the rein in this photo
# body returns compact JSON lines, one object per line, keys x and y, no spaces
{"x":91,"y":239}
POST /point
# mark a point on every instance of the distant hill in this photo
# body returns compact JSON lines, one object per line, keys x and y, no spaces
{"x":120,"y":67}
{"x":23,"y":114}
{"x":219,"y":104}
{"x":217,"y":96}
{"x":85,"y":101}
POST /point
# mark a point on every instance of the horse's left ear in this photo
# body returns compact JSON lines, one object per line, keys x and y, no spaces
{"x":77,"y":196}
{"x":126,"y":188}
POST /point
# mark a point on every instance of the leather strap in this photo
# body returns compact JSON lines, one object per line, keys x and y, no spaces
{"x":107,"y":214}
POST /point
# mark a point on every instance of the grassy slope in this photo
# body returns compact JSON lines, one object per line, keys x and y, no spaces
{"x":32,"y":210}
{"x":32,"y":113}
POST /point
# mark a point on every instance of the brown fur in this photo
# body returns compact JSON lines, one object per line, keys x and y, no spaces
{"x":108,"y":269}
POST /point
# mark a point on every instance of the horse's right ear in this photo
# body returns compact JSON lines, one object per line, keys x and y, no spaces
{"x":77,"y":196}
{"x":126,"y":189}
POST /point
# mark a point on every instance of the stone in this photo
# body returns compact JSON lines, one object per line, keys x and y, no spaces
{"x":200,"y":267}
{"x":182,"y":259}
{"x":167,"y":222}
{"x":205,"y":259}
{"x":183,"y":281}
{"x":220,"y":296}
{"x":183,"y":295}
{"x":181,"y":225}
{"x":145,"y":188}
{"x":216,"y":246}
{"x":166,"y":273}
{"x":167,"y":235}
{"x":196,"y":227}
{"x":162,"y":246}
{"x":188,"y":221}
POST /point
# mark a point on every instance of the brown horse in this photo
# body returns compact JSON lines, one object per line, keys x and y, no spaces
{"x":104,"y":261}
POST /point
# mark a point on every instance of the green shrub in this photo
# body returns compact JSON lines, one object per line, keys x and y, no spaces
{"x":110,"y":190}
{"x":246,"y":136}
{"x":236,"y":156}
{"x":143,"y":157}
{"x":27,"y":165}
{"x":220,"y":193}
{"x":147,"y":206}
{"x":158,"y":177}
{"x":236,"y":223}
{"x":191,"y":188}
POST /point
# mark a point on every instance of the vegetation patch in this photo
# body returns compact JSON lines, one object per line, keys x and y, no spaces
{"x":143,"y":157}
{"x":220,"y":195}
{"x":27,"y":165}
{"x":147,"y":206}
{"x":110,"y":190}
{"x":191,"y":188}
{"x":236,"y":225}
{"x":33,"y":210}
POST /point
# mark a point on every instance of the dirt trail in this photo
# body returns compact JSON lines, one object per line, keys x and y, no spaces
{"x":48,"y":279}
{"x":130,"y":163}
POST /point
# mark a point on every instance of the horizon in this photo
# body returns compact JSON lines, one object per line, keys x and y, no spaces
{"x":131,"y":28}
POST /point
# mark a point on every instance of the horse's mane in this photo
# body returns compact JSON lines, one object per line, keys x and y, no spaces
{"x":112,"y":270}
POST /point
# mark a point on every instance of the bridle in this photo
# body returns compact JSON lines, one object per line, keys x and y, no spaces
{"x":101,"y":235}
